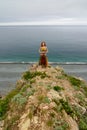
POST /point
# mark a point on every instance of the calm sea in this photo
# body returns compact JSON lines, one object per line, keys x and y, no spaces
{"x":65,"y":43}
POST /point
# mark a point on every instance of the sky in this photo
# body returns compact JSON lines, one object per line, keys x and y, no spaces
{"x":43,"y":12}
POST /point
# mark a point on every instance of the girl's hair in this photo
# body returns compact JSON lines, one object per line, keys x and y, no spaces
{"x":42,"y":43}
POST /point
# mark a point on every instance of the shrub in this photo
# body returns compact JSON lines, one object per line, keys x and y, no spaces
{"x":43,"y":99}
{"x":4,"y":103}
{"x":30,"y":75}
{"x":60,"y":125}
{"x":82,"y":118}
{"x":19,"y":99}
{"x":46,"y":100}
{"x":57,"y":88}
{"x":74,"y":81}
{"x":82,"y":125}
{"x":66,"y":107}
{"x":31,"y":92}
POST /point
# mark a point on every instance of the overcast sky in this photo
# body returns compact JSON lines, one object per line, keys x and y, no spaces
{"x":43,"y":12}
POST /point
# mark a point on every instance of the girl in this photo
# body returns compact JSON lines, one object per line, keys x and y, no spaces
{"x":43,"y":48}
{"x":43,"y":58}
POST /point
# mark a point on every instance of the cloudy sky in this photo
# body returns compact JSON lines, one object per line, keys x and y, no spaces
{"x":39,"y":12}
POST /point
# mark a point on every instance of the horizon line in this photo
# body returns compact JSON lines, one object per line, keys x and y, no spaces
{"x":43,"y":23}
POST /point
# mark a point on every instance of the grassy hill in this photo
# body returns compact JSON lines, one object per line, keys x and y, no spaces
{"x":45,"y":99}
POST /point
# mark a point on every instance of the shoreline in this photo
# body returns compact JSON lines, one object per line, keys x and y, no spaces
{"x":51,"y":63}
{"x":10,"y":73}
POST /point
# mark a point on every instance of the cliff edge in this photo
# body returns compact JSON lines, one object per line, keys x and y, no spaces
{"x":45,"y":99}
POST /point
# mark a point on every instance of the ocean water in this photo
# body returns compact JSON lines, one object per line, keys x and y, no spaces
{"x":10,"y":73}
{"x":66,"y":44}
{"x":19,"y":45}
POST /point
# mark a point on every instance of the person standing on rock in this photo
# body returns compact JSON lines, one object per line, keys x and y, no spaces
{"x":43,"y":50}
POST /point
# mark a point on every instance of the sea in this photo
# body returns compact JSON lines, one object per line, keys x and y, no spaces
{"x":19,"y":48}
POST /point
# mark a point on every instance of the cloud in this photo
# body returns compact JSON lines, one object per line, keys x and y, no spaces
{"x":41,"y":10}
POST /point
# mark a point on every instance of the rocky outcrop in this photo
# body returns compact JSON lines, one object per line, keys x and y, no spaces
{"x":47,"y":98}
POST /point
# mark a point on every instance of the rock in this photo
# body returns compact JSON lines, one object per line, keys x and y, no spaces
{"x":1,"y":124}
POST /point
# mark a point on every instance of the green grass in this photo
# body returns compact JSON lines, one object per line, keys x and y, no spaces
{"x":43,"y":99}
{"x":4,"y":103}
{"x":82,"y":125}
{"x":57,"y":88}
{"x":63,"y":105}
{"x":74,"y":81}
{"x":29,"y":75}
{"x":60,"y":125}
{"x":82,"y":118}
{"x":66,"y":107}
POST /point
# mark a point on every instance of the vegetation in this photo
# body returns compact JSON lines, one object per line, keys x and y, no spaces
{"x":36,"y":100}
{"x":12,"y":123}
{"x":74,"y":81}
{"x":57,"y":88}
{"x":43,"y":99}
{"x":29,"y":75}
{"x":82,"y":118}
{"x":66,"y":107}
{"x":50,"y":122}
{"x":4,"y":103}
{"x":19,"y":99}
{"x":60,"y":125}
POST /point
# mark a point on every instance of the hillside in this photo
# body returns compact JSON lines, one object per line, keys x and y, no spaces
{"x":45,"y":99}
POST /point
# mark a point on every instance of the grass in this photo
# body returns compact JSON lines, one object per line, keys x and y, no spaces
{"x":43,"y":99}
{"x":82,"y":125}
{"x":66,"y":107}
{"x":29,"y":75}
{"x":57,"y":88}
{"x":50,"y":122}
{"x":82,"y":118}
{"x":60,"y":124}
{"x":19,"y":99}
{"x":4,"y":103}
{"x":74,"y":81}
{"x":63,"y":105}
{"x":81,"y":99}
{"x":12,"y":123}
{"x":78,"y":84}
